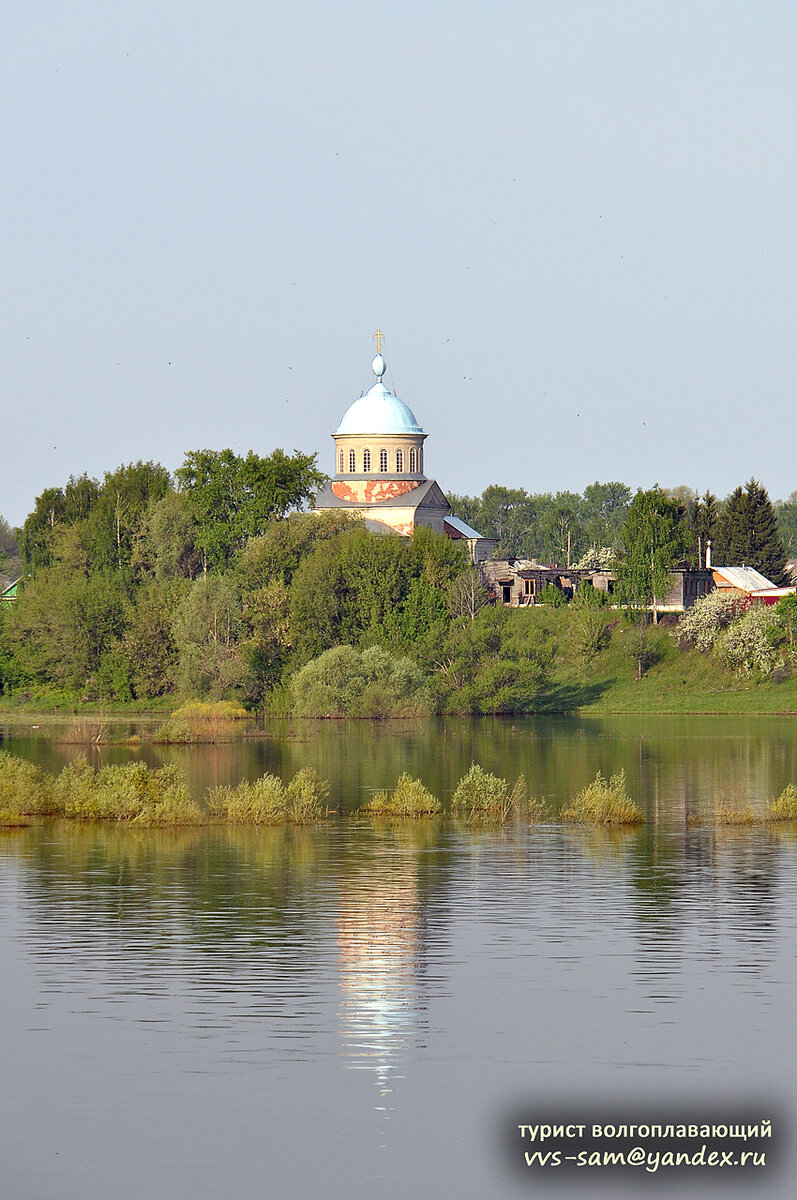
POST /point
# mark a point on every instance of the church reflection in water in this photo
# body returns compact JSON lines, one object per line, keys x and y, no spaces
{"x":382,"y":939}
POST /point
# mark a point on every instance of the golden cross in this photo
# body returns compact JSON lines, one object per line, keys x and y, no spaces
{"x":379,"y":335}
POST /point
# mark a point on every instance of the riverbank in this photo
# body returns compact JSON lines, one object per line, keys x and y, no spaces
{"x":598,"y":665}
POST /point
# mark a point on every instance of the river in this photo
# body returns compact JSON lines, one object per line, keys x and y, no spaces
{"x":369,"y":1009}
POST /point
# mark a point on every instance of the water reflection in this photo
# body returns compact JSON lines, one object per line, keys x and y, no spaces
{"x":377,"y":952}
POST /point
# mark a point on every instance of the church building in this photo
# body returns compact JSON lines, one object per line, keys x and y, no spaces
{"x":379,"y":470}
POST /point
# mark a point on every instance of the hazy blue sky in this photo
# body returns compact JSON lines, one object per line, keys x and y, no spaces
{"x":574,"y":221}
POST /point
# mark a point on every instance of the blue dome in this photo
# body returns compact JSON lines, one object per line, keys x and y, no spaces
{"x":378,"y":411}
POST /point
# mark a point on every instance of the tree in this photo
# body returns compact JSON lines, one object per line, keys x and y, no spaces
{"x":62,"y":626}
{"x":705,"y":525}
{"x":496,"y":663}
{"x":148,"y":644}
{"x":233,"y":499}
{"x":787,"y":524}
{"x":10,"y":562}
{"x":605,"y":508}
{"x":164,"y":545}
{"x":206,"y":630}
{"x":119,"y":513}
{"x":36,"y":534}
{"x":749,"y":533}
{"x":506,"y":514}
{"x":652,"y":537}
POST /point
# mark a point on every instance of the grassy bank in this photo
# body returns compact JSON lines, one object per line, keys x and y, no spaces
{"x":675,"y":681}
{"x":595,"y":667}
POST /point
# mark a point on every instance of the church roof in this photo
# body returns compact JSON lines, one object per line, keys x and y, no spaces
{"x":378,"y":411}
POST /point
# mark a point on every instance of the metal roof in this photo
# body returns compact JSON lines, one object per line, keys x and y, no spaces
{"x":746,"y":579}
{"x":466,"y":530}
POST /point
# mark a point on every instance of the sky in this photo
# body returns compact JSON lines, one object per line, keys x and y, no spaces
{"x":574,"y":221}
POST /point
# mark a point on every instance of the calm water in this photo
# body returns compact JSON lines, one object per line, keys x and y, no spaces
{"x":367,"y":1011}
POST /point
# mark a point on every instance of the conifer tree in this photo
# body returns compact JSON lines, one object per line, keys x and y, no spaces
{"x":749,"y":533}
{"x":705,"y":523}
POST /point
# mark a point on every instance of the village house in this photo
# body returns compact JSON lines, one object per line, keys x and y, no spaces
{"x":520,"y":582}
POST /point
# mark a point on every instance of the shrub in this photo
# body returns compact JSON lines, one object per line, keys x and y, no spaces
{"x":603,"y":802}
{"x":129,"y":792}
{"x":590,"y":632}
{"x":346,"y":682}
{"x":261,"y":802}
{"x":75,"y":788}
{"x":747,"y":646}
{"x":519,"y":801}
{"x":726,"y":813}
{"x":552,"y":595}
{"x":701,"y":625}
{"x":479,"y":793}
{"x":167,"y":801}
{"x":785,"y":807}
{"x":306,"y":797}
{"x":198,"y":721}
{"x":588,"y":596}
{"x":25,"y":789}
{"x":409,"y":798}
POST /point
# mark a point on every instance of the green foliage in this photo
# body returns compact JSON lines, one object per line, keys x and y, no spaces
{"x":276,"y":554}
{"x":552,"y":596}
{"x":148,"y":644}
{"x":261,"y":802}
{"x":539,"y":526}
{"x":702,"y":624}
{"x":10,"y":562}
{"x":63,"y":625}
{"x":588,"y":596}
{"x":346,"y":682}
{"x":749,"y":646}
{"x":785,"y":807}
{"x":265,"y":801}
{"x":590,"y":630}
{"x":749,"y":535}
{"x":131,"y":792}
{"x":786,"y":620}
{"x":165,"y":546}
{"x":479,"y":793}
{"x":786,"y":512}
{"x":232,"y":499}
{"x":642,"y":643}
{"x":206,"y":631}
{"x":113,"y":676}
{"x":603,"y":802}
{"x":409,"y":798}
{"x":306,"y":797}
{"x":201,"y":721}
{"x":653,"y":539}
{"x":25,"y":789}
{"x":499,"y":662}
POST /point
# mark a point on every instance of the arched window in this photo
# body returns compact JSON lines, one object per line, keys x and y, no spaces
{"x":366,"y":461}
{"x":352,"y":461}
{"x":399,"y":461}
{"x":420,"y":461}
{"x":340,"y":463}
{"x":413,"y":461}
{"x":383,"y":460}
